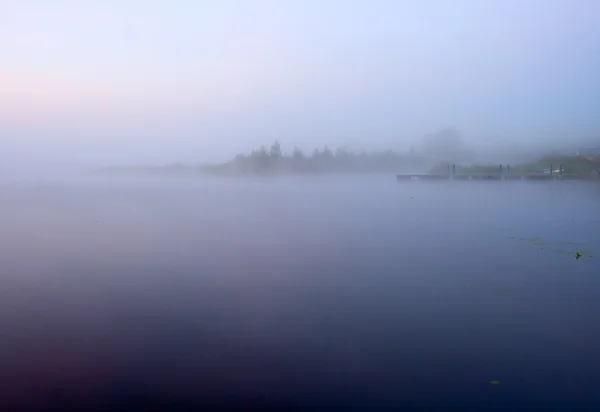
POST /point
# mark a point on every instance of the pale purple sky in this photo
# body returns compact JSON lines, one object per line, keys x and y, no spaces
{"x":130,"y":81}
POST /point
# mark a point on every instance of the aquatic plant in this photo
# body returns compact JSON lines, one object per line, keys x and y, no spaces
{"x":544,"y":245}
{"x":495,"y":382}
{"x":577,"y":254}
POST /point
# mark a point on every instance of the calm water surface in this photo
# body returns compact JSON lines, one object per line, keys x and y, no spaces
{"x":300,"y":294}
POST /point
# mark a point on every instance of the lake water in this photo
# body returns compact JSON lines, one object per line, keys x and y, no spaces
{"x":300,"y":294}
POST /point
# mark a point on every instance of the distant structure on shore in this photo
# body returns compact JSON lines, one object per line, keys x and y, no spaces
{"x":589,"y":151}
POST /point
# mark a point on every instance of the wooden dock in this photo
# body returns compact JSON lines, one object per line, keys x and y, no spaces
{"x":503,"y":174}
{"x":406,"y":178}
{"x":422,"y":177}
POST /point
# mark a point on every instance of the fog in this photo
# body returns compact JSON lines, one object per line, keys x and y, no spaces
{"x":96,"y":83}
{"x":199,"y":206}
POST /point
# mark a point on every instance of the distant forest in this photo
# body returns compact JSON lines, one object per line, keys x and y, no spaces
{"x":435,"y":152}
{"x":444,"y":146}
{"x":274,"y":161}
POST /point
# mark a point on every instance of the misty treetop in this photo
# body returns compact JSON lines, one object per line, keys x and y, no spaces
{"x":274,"y":160}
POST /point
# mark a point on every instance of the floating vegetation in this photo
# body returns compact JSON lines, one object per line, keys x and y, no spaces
{"x":495,"y":382}
{"x":583,"y":253}
{"x":577,"y":254}
{"x":537,"y":241}
{"x":568,"y":243}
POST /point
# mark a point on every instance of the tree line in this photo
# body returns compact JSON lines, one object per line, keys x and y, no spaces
{"x":273,"y":160}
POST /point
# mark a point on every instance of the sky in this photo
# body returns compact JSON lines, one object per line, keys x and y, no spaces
{"x":86,"y":82}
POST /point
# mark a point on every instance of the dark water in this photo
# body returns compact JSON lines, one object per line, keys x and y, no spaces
{"x":301,"y":294}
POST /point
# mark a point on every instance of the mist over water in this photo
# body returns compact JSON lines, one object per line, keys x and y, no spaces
{"x":198,"y":207}
{"x":299,"y":293}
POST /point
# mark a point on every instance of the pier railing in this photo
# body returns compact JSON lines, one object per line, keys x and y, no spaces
{"x":503,"y":173}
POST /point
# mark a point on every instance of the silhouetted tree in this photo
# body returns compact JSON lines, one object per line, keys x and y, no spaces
{"x":445,"y":146}
{"x":275,"y":151}
{"x":298,"y":155}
